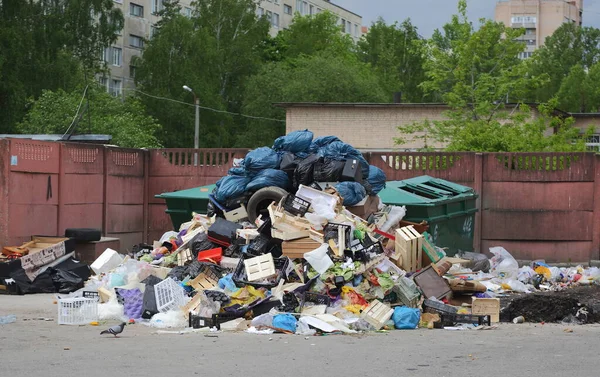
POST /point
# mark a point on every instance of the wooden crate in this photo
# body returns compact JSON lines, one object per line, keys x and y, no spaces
{"x":184,"y":256}
{"x":193,"y":304}
{"x":287,"y":232}
{"x":408,"y":247}
{"x":295,"y":249}
{"x":260,"y":268}
{"x":486,"y":306}
{"x":204,"y":281}
{"x":377,"y":314}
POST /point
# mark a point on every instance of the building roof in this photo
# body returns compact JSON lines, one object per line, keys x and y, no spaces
{"x":74,"y":138}
{"x":349,"y":11}
{"x":286,"y":105}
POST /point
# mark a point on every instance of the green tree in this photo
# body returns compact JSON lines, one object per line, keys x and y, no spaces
{"x":325,"y":77}
{"x":49,"y":45}
{"x":396,"y":53}
{"x":214,"y":53}
{"x":54,"y":112}
{"x":568,"y":46}
{"x":476,"y":72}
{"x":312,"y":34}
{"x":580,"y":90}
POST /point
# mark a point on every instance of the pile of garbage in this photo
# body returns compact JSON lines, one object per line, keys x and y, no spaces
{"x":319,"y":256}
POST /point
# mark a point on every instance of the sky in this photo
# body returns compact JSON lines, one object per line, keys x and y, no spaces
{"x":429,"y":15}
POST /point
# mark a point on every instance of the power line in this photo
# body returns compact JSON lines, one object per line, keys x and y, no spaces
{"x":203,"y":107}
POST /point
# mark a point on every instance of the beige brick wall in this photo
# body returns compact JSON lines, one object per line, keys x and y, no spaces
{"x":363,"y":127}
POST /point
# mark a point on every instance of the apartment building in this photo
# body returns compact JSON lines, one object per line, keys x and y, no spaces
{"x":140,"y":16}
{"x":281,"y":14}
{"x":539,"y":18}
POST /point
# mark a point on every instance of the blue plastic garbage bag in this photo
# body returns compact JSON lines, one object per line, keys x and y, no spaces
{"x":260,"y":159}
{"x":231,"y":186}
{"x":322,"y":141}
{"x":342,"y":151}
{"x":376,"y":179}
{"x":285,"y":322}
{"x":226,"y":282}
{"x":295,"y":142}
{"x":237,"y":171}
{"x":269,"y":177}
{"x":352,"y":192}
{"x":406,"y":318}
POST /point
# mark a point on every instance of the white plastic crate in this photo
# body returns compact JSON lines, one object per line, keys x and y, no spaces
{"x":77,"y":311}
{"x":169,"y":295}
{"x":259,"y":268}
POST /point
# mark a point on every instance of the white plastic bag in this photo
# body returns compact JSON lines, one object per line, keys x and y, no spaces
{"x":504,"y":265}
{"x":322,"y":213}
{"x":318,"y":259}
{"x":394,"y":217}
{"x":525,"y":274}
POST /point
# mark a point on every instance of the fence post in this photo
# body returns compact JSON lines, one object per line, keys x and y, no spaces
{"x":59,"y":189}
{"x":595,"y":254}
{"x":146,"y":215}
{"x":4,"y":187}
{"x":104,"y":190}
{"x":478,"y":187}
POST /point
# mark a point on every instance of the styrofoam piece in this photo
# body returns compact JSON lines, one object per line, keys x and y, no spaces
{"x":108,"y":260}
{"x":77,"y":311}
{"x":309,"y":194}
{"x":169,"y":295}
{"x":237,"y":214}
{"x":259,"y":268}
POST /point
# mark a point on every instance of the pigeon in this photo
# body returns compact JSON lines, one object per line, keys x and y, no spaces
{"x":115,"y":330}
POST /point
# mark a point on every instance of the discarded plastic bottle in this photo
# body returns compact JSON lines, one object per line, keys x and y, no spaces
{"x":8,"y":319}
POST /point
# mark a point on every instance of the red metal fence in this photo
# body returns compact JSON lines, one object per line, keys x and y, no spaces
{"x":536,"y":205}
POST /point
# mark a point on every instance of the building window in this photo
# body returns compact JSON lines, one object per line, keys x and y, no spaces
{"x":343,"y":25}
{"x":276,"y":2}
{"x":299,"y":6}
{"x":348,"y":27}
{"x":132,"y":71}
{"x":304,"y":8}
{"x":287,"y":9}
{"x":106,"y":55}
{"x":275,"y":20}
{"x":153,"y":31}
{"x":103,"y":81}
{"x":116,"y":88}
{"x":319,"y":10}
{"x":523,"y":19}
{"x":136,"y":41}
{"x":530,"y":42}
{"x":525,"y":55}
{"x":593,"y":143}
{"x":260,"y":12}
{"x":117,"y":56}
{"x":356,"y":34}
{"x":311,"y":10}
{"x":529,"y":31}
{"x":270,"y":16}
{"x":136,"y":10}
{"x":157,"y":6}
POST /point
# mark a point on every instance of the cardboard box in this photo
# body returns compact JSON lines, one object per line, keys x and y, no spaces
{"x":486,"y":306}
{"x":366,"y":207}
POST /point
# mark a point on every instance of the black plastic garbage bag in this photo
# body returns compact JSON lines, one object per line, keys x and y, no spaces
{"x":304,"y":173}
{"x":66,"y":281}
{"x":41,"y":284}
{"x":342,"y":151}
{"x":295,"y":142}
{"x":200,"y":243}
{"x":352,"y":192}
{"x":328,"y":170}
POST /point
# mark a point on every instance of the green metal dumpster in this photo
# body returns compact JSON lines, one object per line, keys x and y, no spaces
{"x":181,"y":204}
{"x":449,"y":209}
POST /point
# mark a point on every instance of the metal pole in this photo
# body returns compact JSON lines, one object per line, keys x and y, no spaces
{"x":197,"y":131}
